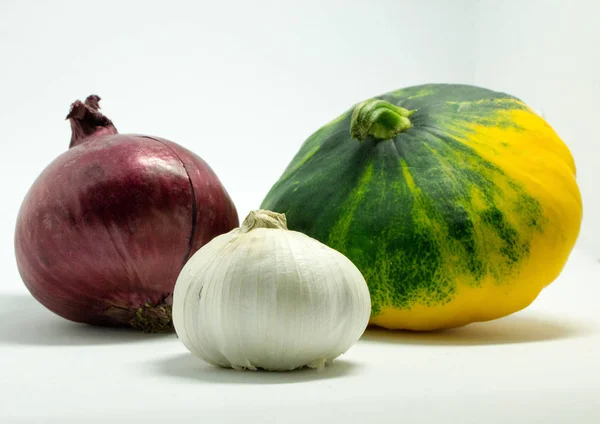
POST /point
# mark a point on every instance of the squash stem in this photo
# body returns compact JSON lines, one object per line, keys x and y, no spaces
{"x":379,"y":119}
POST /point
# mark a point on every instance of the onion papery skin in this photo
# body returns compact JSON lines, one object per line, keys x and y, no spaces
{"x":105,"y":229}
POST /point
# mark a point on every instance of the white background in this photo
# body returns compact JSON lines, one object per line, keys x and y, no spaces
{"x":242,"y":84}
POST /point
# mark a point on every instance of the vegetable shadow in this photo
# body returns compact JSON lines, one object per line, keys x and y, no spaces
{"x":508,"y":330}
{"x":188,"y":367}
{"x":24,"y":321}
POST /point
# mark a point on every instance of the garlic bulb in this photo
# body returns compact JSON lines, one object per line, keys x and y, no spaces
{"x":262,"y":296}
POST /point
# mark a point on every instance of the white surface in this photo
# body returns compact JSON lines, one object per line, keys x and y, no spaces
{"x":243,"y":84}
{"x":546,"y":52}
{"x":536,"y":366}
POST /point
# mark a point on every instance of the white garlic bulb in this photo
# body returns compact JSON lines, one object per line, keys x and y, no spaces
{"x":265,"y":297}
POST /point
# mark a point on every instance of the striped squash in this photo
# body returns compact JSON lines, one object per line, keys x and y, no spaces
{"x":458,"y":204}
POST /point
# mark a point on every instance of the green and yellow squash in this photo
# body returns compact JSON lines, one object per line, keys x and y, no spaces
{"x":457,"y":203}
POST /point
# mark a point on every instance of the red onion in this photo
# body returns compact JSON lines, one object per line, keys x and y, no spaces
{"x":105,"y":229}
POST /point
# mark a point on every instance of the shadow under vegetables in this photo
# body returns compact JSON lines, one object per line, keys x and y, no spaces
{"x":24,"y":321}
{"x":517,"y":328}
{"x":188,"y":367}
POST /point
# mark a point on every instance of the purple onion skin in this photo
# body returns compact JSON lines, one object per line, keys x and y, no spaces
{"x":104,"y":231}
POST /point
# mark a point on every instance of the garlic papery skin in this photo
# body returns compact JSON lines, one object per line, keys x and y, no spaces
{"x":264,"y":297}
